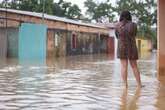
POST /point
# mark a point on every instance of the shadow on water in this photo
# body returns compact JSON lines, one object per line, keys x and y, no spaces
{"x":90,"y":82}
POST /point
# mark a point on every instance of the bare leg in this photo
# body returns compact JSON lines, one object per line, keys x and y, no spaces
{"x":124,"y":66}
{"x":136,"y":72}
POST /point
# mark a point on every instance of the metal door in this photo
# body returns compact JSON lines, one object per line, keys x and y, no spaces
{"x":32,"y":41}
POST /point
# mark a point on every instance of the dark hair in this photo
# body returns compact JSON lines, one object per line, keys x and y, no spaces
{"x":125,"y":15}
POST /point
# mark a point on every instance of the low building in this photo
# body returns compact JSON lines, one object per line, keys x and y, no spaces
{"x":64,"y":36}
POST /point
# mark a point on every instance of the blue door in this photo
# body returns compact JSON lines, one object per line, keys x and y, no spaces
{"x":32,"y":41}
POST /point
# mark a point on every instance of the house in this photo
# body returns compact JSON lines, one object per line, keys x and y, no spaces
{"x":63,"y":36}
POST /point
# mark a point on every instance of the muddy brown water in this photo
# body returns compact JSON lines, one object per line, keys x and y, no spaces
{"x":90,"y":82}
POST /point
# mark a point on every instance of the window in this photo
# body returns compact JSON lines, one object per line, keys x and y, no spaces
{"x":56,"y":39}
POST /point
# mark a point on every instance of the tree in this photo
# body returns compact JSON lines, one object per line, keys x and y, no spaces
{"x":74,"y":12}
{"x":66,"y":9}
{"x":4,"y":3}
{"x":145,"y":13}
{"x":57,"y":10}
{"x":14,"y":4}
{"x":36,"y":5}
{"x":91,"y":7}
{"x":61,"y":8}
{"x":99,"y":11}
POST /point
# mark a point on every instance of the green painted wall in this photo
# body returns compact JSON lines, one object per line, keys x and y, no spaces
{"x":12,"y":44}
{"x":3,"y":43}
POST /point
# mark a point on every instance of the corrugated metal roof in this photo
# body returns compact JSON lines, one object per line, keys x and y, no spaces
{"x":108,"y":25}
{"x":51,"y":17}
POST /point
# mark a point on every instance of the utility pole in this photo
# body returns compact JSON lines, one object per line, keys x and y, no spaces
{"x":6,"y":31}
{"x":43,"y":11}
{"x":6,"y":12}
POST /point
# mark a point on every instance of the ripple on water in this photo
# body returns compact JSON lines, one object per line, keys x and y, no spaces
{"x":70,"y":84}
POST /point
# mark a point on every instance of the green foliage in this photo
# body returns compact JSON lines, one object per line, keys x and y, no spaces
{"x":67,"y":9}
{"x":144,"y":12}
{"x":74,"y":12}
{"x":91,"y":7}
{"x":98,"y":11}
{"x":62,"y":8}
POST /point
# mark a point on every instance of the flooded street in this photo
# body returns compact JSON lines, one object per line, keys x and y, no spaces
{"x":90,"y":82}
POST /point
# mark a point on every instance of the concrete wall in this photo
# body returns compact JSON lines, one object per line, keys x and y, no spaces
{"x":3,"y":43}
{"x":9,"y":42}
{"x":103,"y":44}
{"x":161,"y":40}
{"x":86,"y":43}
{"x":59,"y":43}
{"x":12,"y":42}
{"x":111,"y":45}
{"x":56,"y":43}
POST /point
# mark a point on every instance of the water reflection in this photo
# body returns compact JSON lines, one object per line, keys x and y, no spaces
{"x":160,"y":98}
{"x":90,"y":82}
{"x":130,"y":103}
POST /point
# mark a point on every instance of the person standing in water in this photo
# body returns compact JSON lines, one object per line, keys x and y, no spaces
{"x":127,"y":50}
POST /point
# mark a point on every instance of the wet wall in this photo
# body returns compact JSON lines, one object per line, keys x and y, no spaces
{"x":3,"y":43}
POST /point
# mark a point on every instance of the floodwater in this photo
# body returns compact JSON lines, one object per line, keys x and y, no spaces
{"x":90,"y":82}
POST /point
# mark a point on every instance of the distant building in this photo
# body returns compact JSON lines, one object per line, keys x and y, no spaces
{"x":144,"y":44}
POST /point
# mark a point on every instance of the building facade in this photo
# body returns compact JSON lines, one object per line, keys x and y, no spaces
{"x":64,"y":36}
